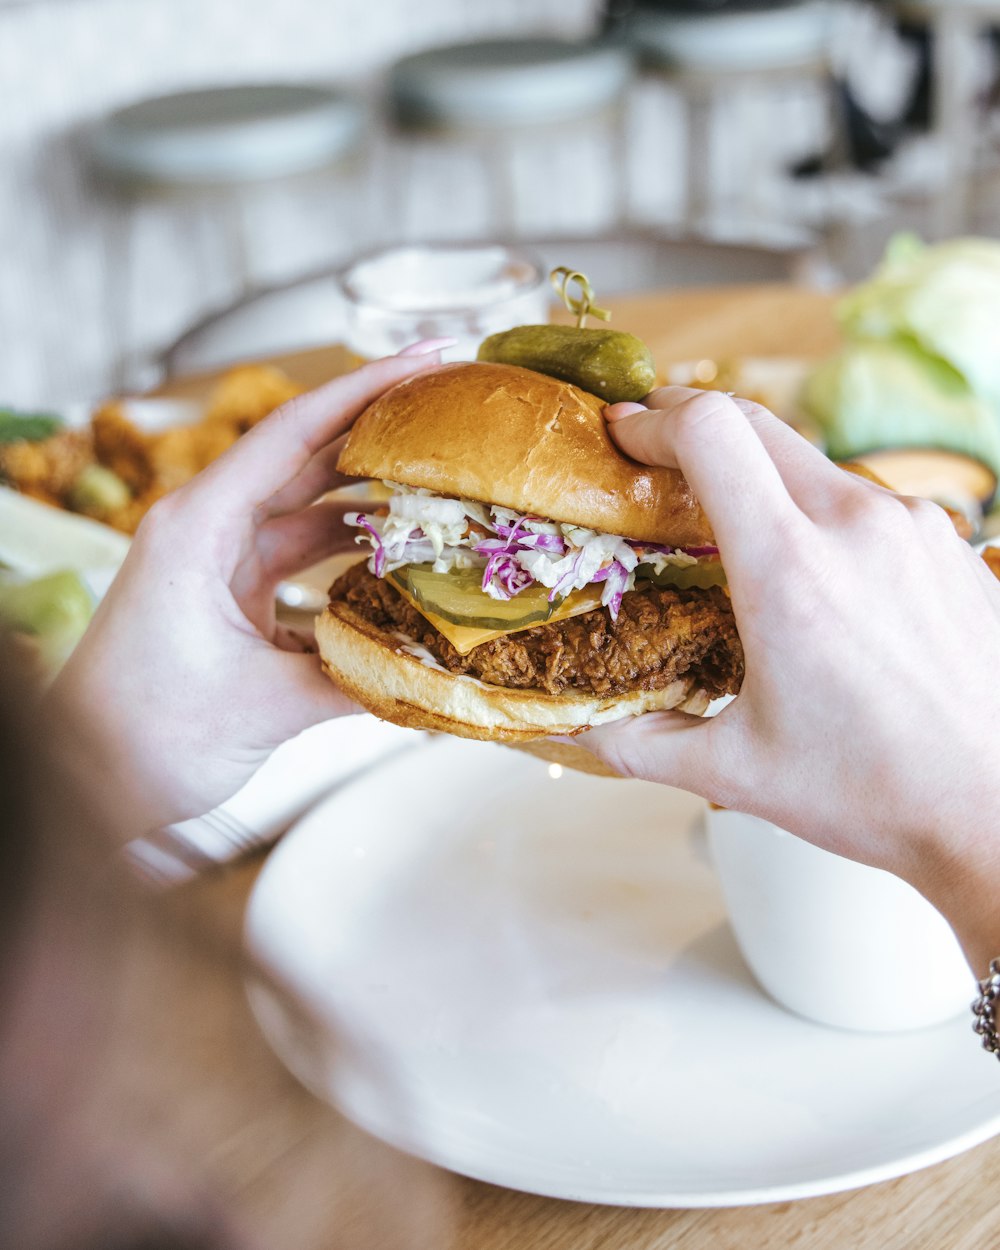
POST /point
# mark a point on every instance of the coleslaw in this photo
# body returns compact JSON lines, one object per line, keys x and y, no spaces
{"x":515,"y":551}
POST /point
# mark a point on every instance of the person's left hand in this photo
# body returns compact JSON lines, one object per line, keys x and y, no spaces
{"x":185,"y":682}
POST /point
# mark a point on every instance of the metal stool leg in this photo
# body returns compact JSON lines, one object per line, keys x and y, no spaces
{"x":954,"y":119}
{"x":619,"y":133}
{"x":700,"y":113}
{"x":499,"y":164}
{"x":118,"y":289}
{"x":232,"y":211}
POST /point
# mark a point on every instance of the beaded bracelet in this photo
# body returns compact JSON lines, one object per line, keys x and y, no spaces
{"x":984,"y":1010}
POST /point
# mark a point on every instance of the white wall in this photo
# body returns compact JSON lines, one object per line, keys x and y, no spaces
{"x":73,"y":298}
{"x":65,"y":62}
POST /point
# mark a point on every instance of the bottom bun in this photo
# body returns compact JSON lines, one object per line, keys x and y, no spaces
{"x":398,"y":680}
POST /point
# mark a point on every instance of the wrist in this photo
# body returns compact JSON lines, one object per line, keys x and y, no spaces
{"x":960,"y":876}
{"x":103,"y":763}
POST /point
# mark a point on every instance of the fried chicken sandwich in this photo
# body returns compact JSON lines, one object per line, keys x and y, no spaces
{"x":525,"y":577}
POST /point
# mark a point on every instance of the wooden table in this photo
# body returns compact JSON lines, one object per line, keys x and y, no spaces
{"x":192,"y":1072}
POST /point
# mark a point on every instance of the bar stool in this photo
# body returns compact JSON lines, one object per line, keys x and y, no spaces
{"x":724,"y":66}
{"x":955,"y":27}
{"x":502,"y":100}
{"x":211,"y":157}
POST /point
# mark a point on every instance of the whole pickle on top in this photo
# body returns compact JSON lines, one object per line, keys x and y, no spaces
{"x":613,"y":364}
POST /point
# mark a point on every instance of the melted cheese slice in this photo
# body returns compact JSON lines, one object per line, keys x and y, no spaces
{"x":465,"y":637}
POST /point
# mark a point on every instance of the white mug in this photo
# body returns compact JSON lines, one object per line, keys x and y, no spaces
{"x":833,"y":940}
{"x":465,"y":291}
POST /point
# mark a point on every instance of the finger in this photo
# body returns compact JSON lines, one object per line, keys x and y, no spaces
{"x":320,"y":474}
{"x":660,"y":746}
{"x":425,"y":346}
{"x":615,"y":412}
{"x":317,"y":478}
{"x":280,"y":447}
{"x":306,"y":695}
{"x":301,"y":641}
{"x":291,"y":543}
{"x":812,"y":479}
{"x":707,"y":437}
{"x":799,"y":462}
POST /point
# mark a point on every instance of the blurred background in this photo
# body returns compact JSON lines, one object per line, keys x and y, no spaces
{"x":182,"y":183}
{"x":181,"y":178}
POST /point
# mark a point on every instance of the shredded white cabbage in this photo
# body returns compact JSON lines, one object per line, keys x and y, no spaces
{"x":513,"y":550}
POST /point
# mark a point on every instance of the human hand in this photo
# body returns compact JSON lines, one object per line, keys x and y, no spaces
{"x":185,"y":682}
{"x":867,"y":721}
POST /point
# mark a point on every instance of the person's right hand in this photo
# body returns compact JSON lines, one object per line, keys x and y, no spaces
{"x":185,"y":682}
{"x":869,"y":718}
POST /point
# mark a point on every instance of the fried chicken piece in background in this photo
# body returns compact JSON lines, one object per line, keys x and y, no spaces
{"x":145,"y":464}
{"x":47,"y":470}
{"x":248,"y":393}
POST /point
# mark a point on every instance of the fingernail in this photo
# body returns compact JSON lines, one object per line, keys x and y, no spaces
{"x":426,"y":346}
{"x":615,"y":412}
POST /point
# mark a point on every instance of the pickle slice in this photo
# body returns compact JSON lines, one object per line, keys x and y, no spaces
{"x":458,"y":597}
{"x":700,"y":576}
{"x":609,"y":363}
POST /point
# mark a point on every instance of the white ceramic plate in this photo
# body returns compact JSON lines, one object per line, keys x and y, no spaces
{"x":529,"y":980}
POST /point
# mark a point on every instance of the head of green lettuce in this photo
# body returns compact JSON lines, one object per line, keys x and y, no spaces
{"x":920,"y":366}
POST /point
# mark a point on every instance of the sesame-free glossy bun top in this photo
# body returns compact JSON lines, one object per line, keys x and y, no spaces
{"x":505,"y":435}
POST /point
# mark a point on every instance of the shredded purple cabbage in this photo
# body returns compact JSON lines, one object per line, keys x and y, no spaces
{"x":379,"y":558}
{"x":639,"y":545}
{"x":544,"y":542}
{"x":510,"y":531}
{"x":523,"y":542}
{"x":666,"y":550}
{"x":615,"y":581}
{"x":491,"y":546}
{"x":505,"y":575}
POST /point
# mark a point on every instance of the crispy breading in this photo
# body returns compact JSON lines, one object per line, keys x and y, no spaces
{"x":246,"y":394}
{"x":121,"y":446}
{"x":176,"y":455}
{"x":661,"y":634}
{"x":47,"y":469}
{"x":992,"y":557}
{"x":151,"y":463}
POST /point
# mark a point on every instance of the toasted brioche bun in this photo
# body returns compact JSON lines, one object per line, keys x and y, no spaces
{"x":375,"y":668}
{"x":505,"y":435}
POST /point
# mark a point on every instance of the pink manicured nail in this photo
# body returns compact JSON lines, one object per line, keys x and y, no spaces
{"x":615,"y":412}
{"x":426,"y":346}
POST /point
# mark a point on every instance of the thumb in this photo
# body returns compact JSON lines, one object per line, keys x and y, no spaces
{"x":308,"y":696}
{"x":673,"y":748}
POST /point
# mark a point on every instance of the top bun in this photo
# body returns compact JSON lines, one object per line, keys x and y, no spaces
{"x":505,"y":435}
